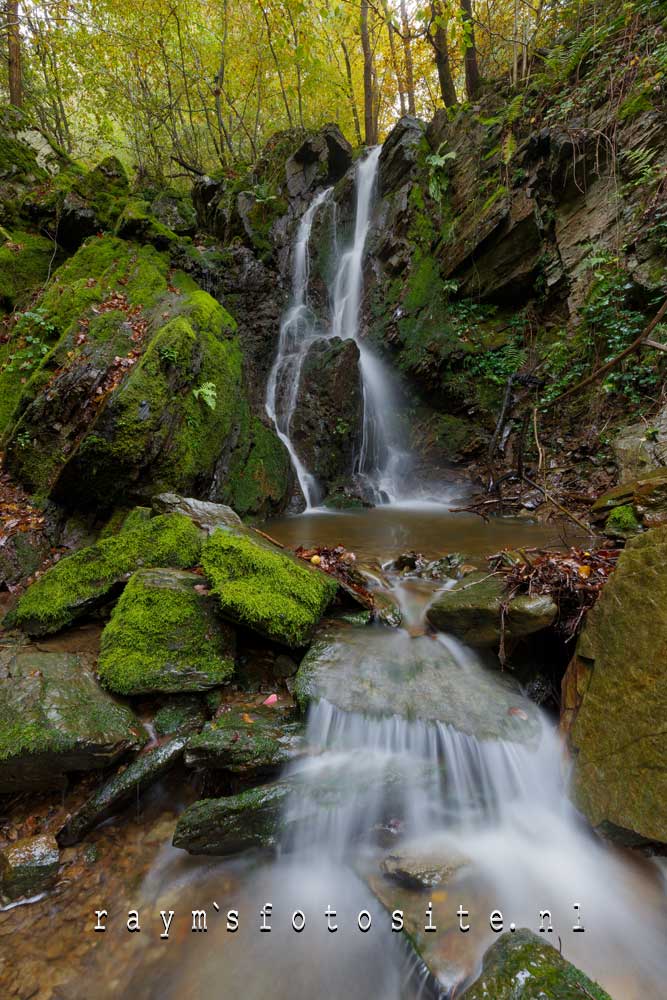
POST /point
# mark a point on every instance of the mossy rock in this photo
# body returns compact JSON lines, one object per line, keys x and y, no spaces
{"x":180,"y":716}
{"x":264,"y":589}
{"x":232,"y":824}
{"x":260,"y":475}
{"x":631,"y":506}
{"x":253,"y":744}
{"x":164,"y":636}
{"x":136,"y":222}
{"x":25,"y":263}
{"x":618,"y":673}
{"x":55,"y":718}
{"x":82,"y":582}
{"x":473,"y":611}
{"x":522,"y":966}
{"x":28,"y":866}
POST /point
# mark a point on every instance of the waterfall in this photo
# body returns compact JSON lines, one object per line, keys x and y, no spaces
{"x":381,"y":462}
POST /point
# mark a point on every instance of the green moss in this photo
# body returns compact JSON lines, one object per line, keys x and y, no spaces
{"x":264,"y":589}
{"x":622,"y":521}
{"x":180,"y":715}
{"x":25,"y":261}
{"x":125,"y":519}
{"x":136,"y":223}
{"x":163,"y":636}
{"x":258,"y":481}
{"x":81,"y":581}
{"x":103,"y":189}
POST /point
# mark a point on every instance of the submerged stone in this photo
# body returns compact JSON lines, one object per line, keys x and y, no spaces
{"x":54,"y":718}
{"x":256,"y":743}
{"x":416,"y":678}
{"x":164,"y":635}
{"x":473,"y":611}
{"x":264,"y":589}
{"x":421,"y":867}
{"x":521,"y":966}
{"x":615,"y":698}
{"x":78,"y":584}
{"x":28,"y":866}
{"x":126,"y":785}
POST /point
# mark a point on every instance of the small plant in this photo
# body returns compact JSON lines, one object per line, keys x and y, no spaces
{"x":22,"y":439}
{"x":207,"y":392}
{"x":32,"y":344}
{"x":168,"y":353}
{"x":437,"y":175}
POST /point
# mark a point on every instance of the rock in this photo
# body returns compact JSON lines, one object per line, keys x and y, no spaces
{"x":232,"y":824}
{"x":399,"y":153}
{"x":136,"y":222}
{"x":421,"y":867}
{"x":326,"y":426}
{"x":415,"y":678}
{"x":264,"y":589}
{"x":471,"y":611}
{"x":642,"y":503}
{"x":205,"y":515}
{"x":127,"y":785}
{"x":386,"y":609}
{"x":54,"y":718}
{"x":181,"y":715}
{"x":79,"y":583}
{"x":615,"y":697}
{"x":21,"y":553}
{"x":521,"y":966}
{"x":175,"y":212}
{"x":25,"y":260}
{"x":641,"y":448}
{"x":253,"y":744}
{"x":321,"y":160}
{"x":28,"y":866}
{"x":164,"y":636}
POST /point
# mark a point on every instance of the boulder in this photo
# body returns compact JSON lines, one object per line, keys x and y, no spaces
{"x":421,"y":867}
{"x":522,"y":966}
{"x":472,"y":610}
{"x":641,"y":448}
{"x":137,"y":222}
{"x":253,"y":744}
{"x":322,"y":159}
{"x":175,"y":212}
{"x":82,"y":582}
{"x":415,"y":678}
{"x":164,"y":636}
{"x":122,"y":788}
{"x":181,"y":715}
{"x":630,"y":506}
{"x":400,"y":151}
{"x":615,"y":698}
{"x":232,"y":824}
{"x":28,"y":866}
{"x":264,"y":589}
{"x":25,"y":262}
{"x":206,"y":516}
{"x":54,"y":718}
{"x":326,"y":426}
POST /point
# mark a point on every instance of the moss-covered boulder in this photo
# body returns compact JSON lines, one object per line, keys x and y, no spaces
{"x":55,"y":718}
{"x":127,"y":785}
{"x":28,"y":866}
{"x":82,"y":582}
{"x":232,"y":824}
{"x":253,"y":744}
{"x":181,"y":715}
{"x":522,"y":966}
{"x":137,"y":388}
{"x":136,"y":222}
{"x":627,"y":508}
{"x":25,"y":262}
{"x":477,"y":608}
{"x":615,"y":696}
{"x":206,"y":516}
{"x":264,"y":589}
{"x":164,"y":636}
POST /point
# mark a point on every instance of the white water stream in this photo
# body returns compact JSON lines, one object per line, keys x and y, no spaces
{"x":382,"y":463}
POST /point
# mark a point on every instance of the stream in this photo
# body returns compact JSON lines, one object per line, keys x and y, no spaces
{"x":496,"y":808}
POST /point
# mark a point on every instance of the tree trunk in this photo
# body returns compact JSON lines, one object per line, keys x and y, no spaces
{"x":391,"y":31}
{"x":14,"y":54}
{"x":471,"y":67}
{"x":369,"y":122}
{"x":350,"y":90}
{"x":438,"y":39}
{"x":407,"y":51}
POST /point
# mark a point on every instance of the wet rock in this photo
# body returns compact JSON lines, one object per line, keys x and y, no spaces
{"x":181,"y":715}
{"x":54,"y":718}
{"x":472,"y":611}
{"x":421,"y":868}
{"x":386,"y":610}
{"x":399,"y":153}
{"x":326,"y":426}
{"x":21,"y":553}
{"x":82,"y":582}
{"x":641,"y":448}
{"x":642,"y":503}
{"x":119,"y":790}
{"x":253,"y":744}
{"x":615,"y":698}
{"x":205,"y":515}
{"x":232,"y":824}
{"x":264,"y":589}
{"x":322,"y":159}
{"x":164,"y":636}
{"x":28,"y":867}
{"x":521,"y":966}
{"x":415,"y":678}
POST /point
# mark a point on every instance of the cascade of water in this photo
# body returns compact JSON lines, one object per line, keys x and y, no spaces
{"x":382,"y":462}
{"x":298,"y":330}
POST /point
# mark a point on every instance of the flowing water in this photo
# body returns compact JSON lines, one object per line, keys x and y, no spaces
{"x":382,"y":465}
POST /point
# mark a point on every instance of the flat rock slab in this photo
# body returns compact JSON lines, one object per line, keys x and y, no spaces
{"x":165,"y":636}
{"x":204,"y":514}
{"x":128,"y":784}
{"x":29,"y":866}
{"x":418,"y":678}
{"x":251,"y":744}
{"x":55,"y":718}
{"x":472,"y":610}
